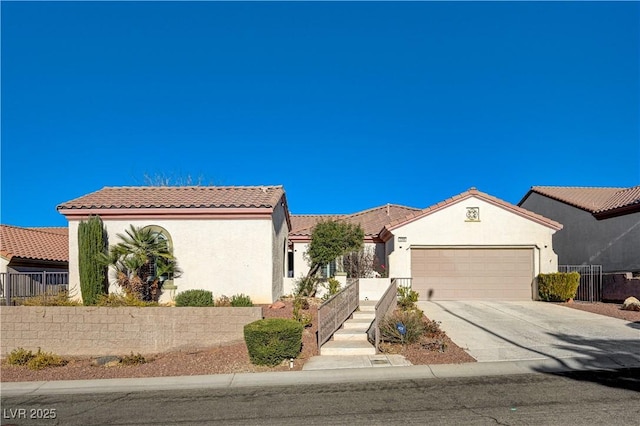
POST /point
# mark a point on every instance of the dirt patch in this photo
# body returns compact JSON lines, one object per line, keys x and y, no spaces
{"x":608,"y":309}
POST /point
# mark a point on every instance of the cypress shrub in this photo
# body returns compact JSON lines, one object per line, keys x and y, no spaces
{"x":558,"y":286}
{"x":271,"y":341}
{"x":92,"y":242}
{"x":194,"y":298}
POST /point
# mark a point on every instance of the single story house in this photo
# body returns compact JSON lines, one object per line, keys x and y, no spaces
{"x":229,"y":240}
{"x":470,"y":246}
{"x":33,"y":249}
{"x":601,"y":225}
{"x":234,"y":240}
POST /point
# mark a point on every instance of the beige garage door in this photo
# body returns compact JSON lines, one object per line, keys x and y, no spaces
{"x":472,"y":273}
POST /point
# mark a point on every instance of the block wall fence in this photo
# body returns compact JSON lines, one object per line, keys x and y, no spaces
{"x":96,"y":331}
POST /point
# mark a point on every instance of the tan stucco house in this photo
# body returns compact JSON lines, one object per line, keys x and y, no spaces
{"x":232,"y":240}
{"x":228,"y":240}
{"x":470,"y":246}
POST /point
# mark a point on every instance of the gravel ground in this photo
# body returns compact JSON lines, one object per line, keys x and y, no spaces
{"x":234,"y":358}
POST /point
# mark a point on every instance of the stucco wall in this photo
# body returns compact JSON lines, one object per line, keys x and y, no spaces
{"x":613,"y":243}
{"x":225,"y":256}
{"x":91,"y":331}
{"x":3,"y":265}
{"x":450,"y":227}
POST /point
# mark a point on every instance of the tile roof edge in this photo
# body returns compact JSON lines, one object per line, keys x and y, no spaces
{"x":539,"y":190}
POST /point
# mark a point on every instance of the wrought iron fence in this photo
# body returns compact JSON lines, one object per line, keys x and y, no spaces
{"x":19,"y":285}
{"x":385,"y":305}
{"x":590,"y":289}
{"x":336,"y":310}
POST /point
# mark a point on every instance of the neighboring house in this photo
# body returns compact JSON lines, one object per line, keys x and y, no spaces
{"x":228,"y":240}
{"x":601,"y":225}
{"x":33,"y":249}
{"x":471,"y":246}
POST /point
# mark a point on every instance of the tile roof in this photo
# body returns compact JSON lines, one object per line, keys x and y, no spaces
{"x":140,"y":197}
{"x":372,"y":220}
{"x":34,"y":243}
{"x":596,"y":200}
{"x":473,"y":192}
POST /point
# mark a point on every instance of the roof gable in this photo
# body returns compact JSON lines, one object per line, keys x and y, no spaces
{"x":473,"y":192}
{"x":34,"y":243}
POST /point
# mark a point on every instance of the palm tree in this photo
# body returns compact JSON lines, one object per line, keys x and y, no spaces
{"x":143,"y":261}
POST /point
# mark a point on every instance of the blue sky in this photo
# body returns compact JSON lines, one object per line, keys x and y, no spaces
{"x":348,"y":105}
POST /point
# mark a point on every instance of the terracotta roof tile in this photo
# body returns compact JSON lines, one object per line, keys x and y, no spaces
{"x":586,"y":198}
{"x":624,"y":198}
{"x":473,"y":192}
{"x":34,"y":243}
{"x":178,"y":197}
{"x":372,"y":220}
{"x":302,"y":223}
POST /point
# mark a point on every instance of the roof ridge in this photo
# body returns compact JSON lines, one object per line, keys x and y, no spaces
{"x":581,"y":187}
{"x":35,"y":228}
{"x":189,"y":187}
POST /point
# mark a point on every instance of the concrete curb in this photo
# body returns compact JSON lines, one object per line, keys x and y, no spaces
{"x":314,"y":377}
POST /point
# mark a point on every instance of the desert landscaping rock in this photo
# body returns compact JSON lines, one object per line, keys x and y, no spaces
{"x":631,"y":304}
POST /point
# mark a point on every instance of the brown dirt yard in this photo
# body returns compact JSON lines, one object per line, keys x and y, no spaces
{"x":234,"y":358}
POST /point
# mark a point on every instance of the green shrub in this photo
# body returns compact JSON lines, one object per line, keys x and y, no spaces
{"x":407,"y":298}
{"x":270,"y":341}
{"x":333,"y":287}
{"x":59,"y":299}
{"x":119,"y":300}
{"x":194,"y":298}
{"x":414,"y":322}
{"x":19,"y":356}
{"x":133,"y":359}
{"x":300,"y":304}
{"x":306,"y":287}
{"x":45,"y":359}
{"x":558,"y":286}
{"x":241,"y":300}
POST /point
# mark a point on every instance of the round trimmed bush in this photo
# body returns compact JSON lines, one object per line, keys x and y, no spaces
{"x":194,"y":298}
{"x":270,"y":341}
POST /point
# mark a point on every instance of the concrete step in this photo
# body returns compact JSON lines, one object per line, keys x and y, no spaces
{"x":357,"y":323}
{"x":351,"y":334}
{"x":350,"y":348}
{"x":368,"y":305}
{"x":371,"y":315}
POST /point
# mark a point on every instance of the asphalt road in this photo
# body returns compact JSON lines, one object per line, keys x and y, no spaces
{"x":577,"y":398}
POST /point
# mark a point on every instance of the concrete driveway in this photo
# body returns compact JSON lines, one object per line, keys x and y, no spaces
{"x":514,"y":331}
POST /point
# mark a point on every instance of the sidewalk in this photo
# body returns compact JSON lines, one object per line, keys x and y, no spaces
{"x":333,"y":374}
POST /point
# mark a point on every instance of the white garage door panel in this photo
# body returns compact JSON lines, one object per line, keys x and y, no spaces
{"x":478,"y":273}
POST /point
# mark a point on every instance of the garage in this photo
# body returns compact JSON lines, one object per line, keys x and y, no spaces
{"x":478,"y":273}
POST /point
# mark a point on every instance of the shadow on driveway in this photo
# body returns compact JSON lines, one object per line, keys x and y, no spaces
{"x":603,"y":361}
{"x":600,"y":354}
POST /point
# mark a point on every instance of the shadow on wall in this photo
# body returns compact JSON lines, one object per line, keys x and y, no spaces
{"x":598,"y":360}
